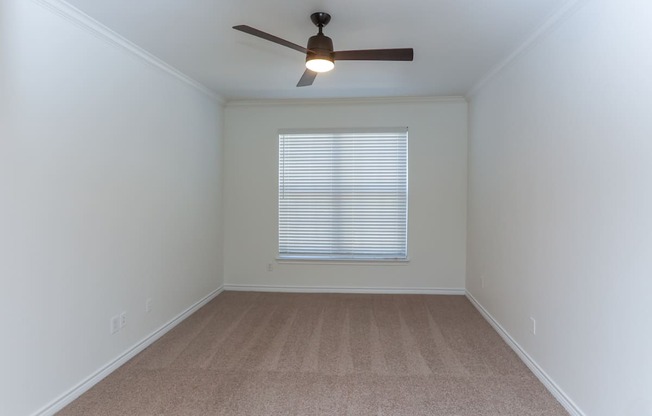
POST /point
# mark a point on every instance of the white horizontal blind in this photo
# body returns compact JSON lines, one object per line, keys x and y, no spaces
{"x":343,"y":195}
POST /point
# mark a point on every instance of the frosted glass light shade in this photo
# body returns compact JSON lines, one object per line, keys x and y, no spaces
{"x":320,"y":65}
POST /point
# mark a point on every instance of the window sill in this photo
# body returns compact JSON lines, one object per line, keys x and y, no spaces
{"x":348,"y":262}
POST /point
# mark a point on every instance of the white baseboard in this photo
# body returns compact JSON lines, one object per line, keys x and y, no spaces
{"x":552,"y":387}
{"x":67,"y":398}
{"x":345,"y":289}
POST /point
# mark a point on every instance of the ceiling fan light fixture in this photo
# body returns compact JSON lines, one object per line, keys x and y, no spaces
{"x":320,"y":64}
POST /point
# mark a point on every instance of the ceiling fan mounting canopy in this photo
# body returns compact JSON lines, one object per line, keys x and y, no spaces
{"x":320,"y":19}
{"x":320,"y":56}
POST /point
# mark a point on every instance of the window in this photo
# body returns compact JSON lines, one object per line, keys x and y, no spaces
{"x":343,"y":195}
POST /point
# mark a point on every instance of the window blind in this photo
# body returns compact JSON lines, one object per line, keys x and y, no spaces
{"x":343,"y":195}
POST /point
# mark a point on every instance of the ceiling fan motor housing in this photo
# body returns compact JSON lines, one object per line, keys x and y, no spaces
{"x":320,"y":46}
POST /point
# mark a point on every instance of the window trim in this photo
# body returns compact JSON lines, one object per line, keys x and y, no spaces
{"x":334,"y":259}
{"x":338,"y":261}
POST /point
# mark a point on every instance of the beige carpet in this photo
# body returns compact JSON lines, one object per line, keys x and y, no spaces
{"x":325,"y":354}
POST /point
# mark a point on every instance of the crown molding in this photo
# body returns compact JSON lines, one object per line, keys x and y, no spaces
{"x":548,"y":26}
{"x":95,"y":28}
{"x":344,"y":101}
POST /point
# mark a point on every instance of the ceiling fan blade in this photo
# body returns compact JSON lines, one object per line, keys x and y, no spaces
{"x":307,"y":78}
{"x":405,"y":54}
{"x":250,"y":30}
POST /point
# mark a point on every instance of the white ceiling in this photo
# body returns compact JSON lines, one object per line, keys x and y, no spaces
{"x":456,"y":42}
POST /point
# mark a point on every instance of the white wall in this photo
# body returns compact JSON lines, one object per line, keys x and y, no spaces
{"x":109,"y":194}
{"x":560,"y":204}
{"x":437,"y":193}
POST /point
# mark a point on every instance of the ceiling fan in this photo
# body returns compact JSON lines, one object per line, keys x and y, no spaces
{"x":320,"y":56}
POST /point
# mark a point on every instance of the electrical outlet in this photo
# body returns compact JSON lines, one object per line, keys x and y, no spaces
{"x":148,"y":305}
{"x":269,"y":267}
{"x":123,"y":319}
{"x":534,"y":326}
{"x":115,"y":324}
